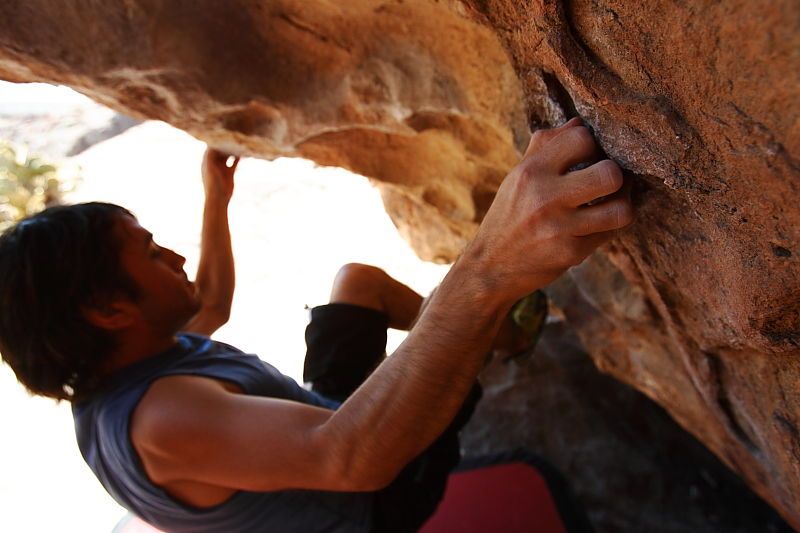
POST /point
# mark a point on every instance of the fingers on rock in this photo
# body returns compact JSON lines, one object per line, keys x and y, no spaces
{"x":608,"y":216}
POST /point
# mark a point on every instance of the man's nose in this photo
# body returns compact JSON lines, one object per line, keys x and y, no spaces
{"x":177,"y":259}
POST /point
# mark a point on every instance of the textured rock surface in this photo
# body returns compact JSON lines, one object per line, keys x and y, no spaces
{"x":698,"y":305}
{"x":631,"y":467}
{"x":391,"y":90}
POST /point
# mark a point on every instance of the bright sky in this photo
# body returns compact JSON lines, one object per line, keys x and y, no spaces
{"x":23,"y":98}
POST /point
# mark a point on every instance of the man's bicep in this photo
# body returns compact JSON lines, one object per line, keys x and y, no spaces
{"x":192,"y":429}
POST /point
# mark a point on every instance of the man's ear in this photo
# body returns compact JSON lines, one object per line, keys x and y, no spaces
{"x":111,"y":316}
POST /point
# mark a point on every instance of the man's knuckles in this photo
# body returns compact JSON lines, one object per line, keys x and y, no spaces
{"x":555,"y":151}
{"x":543,"y":227}
{"x":540,"y":137}
{"x":610,"y":215}
{"x":607,"y":176}
{"x":574,"y":121}
{"x":573,"y":146}
{"x":601,"y":179}
{"x":534,"y":167}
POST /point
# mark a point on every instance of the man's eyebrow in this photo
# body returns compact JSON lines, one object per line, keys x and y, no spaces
{"x":148,"y":238}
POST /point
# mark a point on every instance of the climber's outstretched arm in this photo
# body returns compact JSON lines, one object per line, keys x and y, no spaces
{"x":216,"y":277}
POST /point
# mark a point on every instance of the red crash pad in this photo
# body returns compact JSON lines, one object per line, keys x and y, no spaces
{"x":513,"y":498}
{"x":510,"y":495}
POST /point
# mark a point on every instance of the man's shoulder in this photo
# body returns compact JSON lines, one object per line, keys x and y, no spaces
{"x":198,"y":343}
{"x":191,"y":352}
{"x":172,"y":417}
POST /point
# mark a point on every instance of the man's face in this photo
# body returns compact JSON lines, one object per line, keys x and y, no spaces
{"x":167,"y":299}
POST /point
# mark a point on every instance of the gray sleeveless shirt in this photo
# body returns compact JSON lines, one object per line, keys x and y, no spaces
{"x":102,"y":426}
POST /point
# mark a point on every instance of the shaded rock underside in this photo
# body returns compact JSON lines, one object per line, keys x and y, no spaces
{"x":629,"y":465}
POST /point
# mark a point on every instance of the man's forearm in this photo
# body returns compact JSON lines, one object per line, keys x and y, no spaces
{"x":215,"y":273}
{"x":542,"y":221}
{"x":409,"y":400}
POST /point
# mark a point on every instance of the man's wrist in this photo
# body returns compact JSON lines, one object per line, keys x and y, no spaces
{"x":471,"y":287}
{"x":486,"y":278}
{"x":217,"y":201}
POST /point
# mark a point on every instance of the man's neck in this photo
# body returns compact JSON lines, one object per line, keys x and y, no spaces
{"x":135,"y":346}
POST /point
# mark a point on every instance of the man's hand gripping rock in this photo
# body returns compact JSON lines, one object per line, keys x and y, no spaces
{"x":545,"y":217}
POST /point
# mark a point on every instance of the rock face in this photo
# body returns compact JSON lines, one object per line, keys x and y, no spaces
{"x":391,"y":90}
{"x":631,"y":467}
{"x":697,"y":305}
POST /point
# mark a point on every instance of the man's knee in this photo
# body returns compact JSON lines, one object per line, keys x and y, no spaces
{"x":358,"y":275}
{"x":359,"y":284}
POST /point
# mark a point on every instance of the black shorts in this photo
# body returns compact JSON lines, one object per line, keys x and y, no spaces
{"x":345,"y":343}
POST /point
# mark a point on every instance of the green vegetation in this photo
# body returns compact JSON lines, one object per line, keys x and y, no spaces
{"x":27,"y":185}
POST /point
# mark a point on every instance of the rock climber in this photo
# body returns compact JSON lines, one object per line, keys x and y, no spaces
{"x":195,"y":435}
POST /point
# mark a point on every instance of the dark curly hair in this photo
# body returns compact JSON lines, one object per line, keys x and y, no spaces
{"x":52,"y":266}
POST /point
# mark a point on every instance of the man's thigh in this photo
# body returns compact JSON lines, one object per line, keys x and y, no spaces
{"x":344,"y":344}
